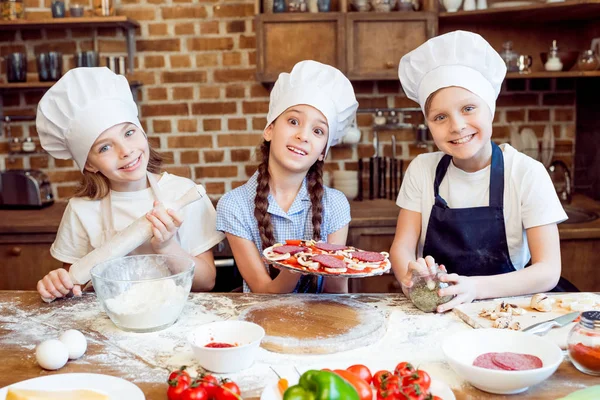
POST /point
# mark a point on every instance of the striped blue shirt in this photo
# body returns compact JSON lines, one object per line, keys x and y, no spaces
{"x":235,"y":215}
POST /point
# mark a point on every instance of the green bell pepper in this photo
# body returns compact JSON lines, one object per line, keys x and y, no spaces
{"x":321,"y":385}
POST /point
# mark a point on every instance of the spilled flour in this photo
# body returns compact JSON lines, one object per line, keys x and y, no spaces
{"x":147,"y":357}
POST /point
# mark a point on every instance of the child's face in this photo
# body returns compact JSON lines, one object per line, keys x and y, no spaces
{"x":460,"y":123}
{"x":121,"y":154}
{"x":298,"y":137}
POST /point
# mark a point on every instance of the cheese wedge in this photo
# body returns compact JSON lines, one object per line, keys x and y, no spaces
{"x":20,"y":394}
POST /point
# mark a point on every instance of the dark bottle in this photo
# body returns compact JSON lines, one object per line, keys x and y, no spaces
{"x":279,"y":6}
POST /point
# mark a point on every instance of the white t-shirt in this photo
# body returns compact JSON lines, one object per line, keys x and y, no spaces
{"x":81,"y":226}
{"x":529,"y":196}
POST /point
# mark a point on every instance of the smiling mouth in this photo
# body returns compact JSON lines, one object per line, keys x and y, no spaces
{"x":463,"y":140}
{"x":297,"y":151}
{"x":133,"y":163}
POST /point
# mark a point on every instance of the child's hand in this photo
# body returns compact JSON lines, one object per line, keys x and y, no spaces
{"x":462,"y":287}
{"x":165,"y":224}
{"x":422,"y":265}
{"x":57,"y":284}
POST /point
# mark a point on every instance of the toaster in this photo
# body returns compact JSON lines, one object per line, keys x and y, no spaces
{"x":25,"y":188}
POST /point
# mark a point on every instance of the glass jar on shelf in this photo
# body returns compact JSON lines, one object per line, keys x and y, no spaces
{"x":14,"y":146}
{"x":509,"y":57}
{"x":588,"y":61}
{"x":583,"y":343}
{"x":12,"y":10}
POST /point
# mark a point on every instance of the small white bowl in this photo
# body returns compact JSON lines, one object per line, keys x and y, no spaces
{"x":245,"y":335}
{"x":462,"y":348}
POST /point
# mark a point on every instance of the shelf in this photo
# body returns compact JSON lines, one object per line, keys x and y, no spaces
{"x":64,"y":23}
{"x":545,"y":74}
{"x":538,"y":13}
{"x":29,"y":86}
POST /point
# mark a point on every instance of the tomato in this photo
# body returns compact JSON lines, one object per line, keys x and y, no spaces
{"x":194,"y":393}
{"x":293,"y":242}
{"x":228,"y":391}
{"x":180,"y":374}
{"x":291,"y":261}
{"x":379,"y":377}
{"x":210,"y":383}
{"x":176,"y":388}
{"x":404,"y":368}
{"x":420,"y":378}
{"x":363,"y":388}
{"x":394,"y":394}
{"x":415,"y":392}
{"x":392,"y":383}
{"x":362,"y":372}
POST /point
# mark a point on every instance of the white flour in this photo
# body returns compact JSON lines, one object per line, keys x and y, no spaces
{"x":147,"y":305}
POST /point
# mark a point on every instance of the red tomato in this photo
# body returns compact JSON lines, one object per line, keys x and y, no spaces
{"x":362,"y":387}
{"x":228,"y":391}
{"x":210,"y":383}
{"x":404,"y":368}
{"x":415,"y":392}
{"x":194,"y":393}
{"x":393,"y":394}
{"x":362,"y":372}
{"x":180,"y":375}
{"x":420,"y":378}
{"x":379,"y":377}
{"x":293,"y":242}
{"x":176,"y":388}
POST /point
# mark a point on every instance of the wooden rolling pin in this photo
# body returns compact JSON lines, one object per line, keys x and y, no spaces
{"x":127,"y":240}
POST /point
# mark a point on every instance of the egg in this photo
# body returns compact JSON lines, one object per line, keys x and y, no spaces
{"x":75,"y":342}
{"x":52,"y":354}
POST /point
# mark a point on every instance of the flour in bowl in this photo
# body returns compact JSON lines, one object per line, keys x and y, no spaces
{"x":147,"y":305}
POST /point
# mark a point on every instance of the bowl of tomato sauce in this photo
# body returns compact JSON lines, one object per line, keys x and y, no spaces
{"x":226,"y":346}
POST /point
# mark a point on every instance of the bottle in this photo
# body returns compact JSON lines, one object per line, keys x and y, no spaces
{"x":15,"y":145}
{"x":469,"y":5}
{"x":103,"y":8}
{"x":424,"y":290}
{"x":553,"y":63}
{"x":583,"y":343}
{"x":28,"y":145}
{"x":588,"y":61}
{"x":393,"y":118}
{"x":380,"y":119}
{"x":509,"y":57}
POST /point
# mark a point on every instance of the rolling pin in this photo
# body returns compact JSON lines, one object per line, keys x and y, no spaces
{"x":126,"y":240}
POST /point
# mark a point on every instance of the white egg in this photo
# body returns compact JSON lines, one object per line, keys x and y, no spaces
{"x":51,"y":354}
{"x":75,"y":342}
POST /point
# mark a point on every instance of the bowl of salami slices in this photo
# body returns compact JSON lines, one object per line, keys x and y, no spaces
{"x":327,"y":259}
{"x":501,"y":361}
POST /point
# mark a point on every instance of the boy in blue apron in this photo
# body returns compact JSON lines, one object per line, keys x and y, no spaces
{"x":479,"y":209}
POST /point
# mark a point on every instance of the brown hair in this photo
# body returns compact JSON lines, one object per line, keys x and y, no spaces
{"x":428,"y":102}
{"x":96,"y":186}
{"x":261,"y":202}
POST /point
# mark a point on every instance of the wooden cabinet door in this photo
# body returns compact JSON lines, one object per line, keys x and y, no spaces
{"x":376,"y":42}
{"x":580,"y":259}
{"x":285,"y":39}
{"x":24,"y":263}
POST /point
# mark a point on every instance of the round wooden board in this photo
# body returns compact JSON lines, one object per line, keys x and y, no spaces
{"x":318,"y":325}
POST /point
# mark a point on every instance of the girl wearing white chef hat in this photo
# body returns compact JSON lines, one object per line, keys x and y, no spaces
{"x":309,"y":111}
{"x":481,"y":210}
{"x":89,"y":116}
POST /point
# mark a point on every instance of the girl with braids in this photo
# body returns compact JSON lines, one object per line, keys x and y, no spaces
{"x":309,"y":111}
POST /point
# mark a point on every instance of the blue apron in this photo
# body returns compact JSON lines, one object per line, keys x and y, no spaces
{"x":470,"y":241}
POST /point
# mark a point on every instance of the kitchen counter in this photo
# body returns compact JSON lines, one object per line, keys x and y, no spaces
{"x":145,"y":359}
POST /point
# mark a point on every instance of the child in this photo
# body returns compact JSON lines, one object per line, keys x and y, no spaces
{"x":89,"y":115}
{"x":479,"y":209}
{"x":309,"y":111}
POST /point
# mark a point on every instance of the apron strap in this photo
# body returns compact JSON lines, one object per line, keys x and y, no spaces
{"x":497,"y":177}
{"x":440,"y":172}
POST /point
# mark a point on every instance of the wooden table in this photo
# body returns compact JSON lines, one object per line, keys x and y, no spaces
{"x":25,"y":321}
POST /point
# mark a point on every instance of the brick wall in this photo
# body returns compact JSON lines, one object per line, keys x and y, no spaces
{"x":202,"y":108}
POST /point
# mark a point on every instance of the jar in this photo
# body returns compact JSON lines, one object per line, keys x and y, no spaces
{"x":588,"y":61}
{"x":14,"y":146}
{"x":28,"y":145}
{"x":583,"y":343}
{"x":509,"y":57}
{"x":424,"y":290}
{"x":103,"y":8}
{"x":12,"y":10}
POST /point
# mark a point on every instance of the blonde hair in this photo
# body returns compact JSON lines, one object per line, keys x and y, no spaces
{"x":96,"y":186}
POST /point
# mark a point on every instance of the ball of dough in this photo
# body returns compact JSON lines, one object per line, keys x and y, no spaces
{"x":51,"y":354}
{"x":75,"y":342}
{"x":541,"y":302}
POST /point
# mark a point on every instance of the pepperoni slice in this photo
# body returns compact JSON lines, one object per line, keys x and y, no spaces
{"x":368,"y":256}
{"x":328,"y":261}
{"x":485,"y":361}
{"x":329,"y":246}
{"x":288,"y":249}
{"x":516,"y":361}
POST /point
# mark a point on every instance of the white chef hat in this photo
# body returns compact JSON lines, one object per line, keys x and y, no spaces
{"x":320,"y":86}
{"x":457,"y":58}
{"x":79,"y":107}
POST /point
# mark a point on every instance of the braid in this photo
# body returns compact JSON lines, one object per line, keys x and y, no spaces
{"x":261,"y":202}
{"x":315,"y":188}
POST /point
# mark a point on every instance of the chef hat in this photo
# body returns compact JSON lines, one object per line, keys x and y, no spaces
{"x":320,"y":86}
{"x":79,"y":107}
{"x":457,"y":58}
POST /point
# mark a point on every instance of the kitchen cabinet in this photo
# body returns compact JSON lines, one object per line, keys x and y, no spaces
{"x":24,"y":260}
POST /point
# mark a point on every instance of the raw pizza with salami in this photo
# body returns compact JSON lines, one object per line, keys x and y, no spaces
{"x":321,"y":258}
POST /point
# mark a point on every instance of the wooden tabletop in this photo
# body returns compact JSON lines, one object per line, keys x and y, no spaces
{"x":145,"y":359}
